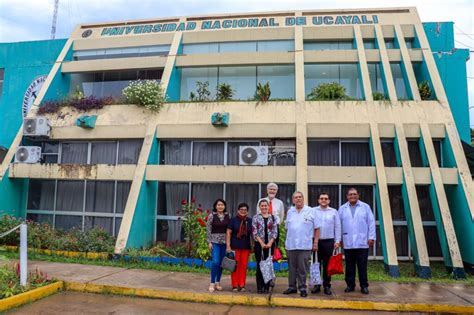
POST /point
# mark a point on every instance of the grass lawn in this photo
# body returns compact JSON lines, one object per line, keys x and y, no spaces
{"x":376,"y":269}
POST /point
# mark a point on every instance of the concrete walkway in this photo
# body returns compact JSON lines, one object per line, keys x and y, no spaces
{"x":192,"y":283}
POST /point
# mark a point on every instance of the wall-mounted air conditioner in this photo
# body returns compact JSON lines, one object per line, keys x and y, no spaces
{"x":29,"y":155}
{"x":36,"y":127}
{"x":253,"y":155}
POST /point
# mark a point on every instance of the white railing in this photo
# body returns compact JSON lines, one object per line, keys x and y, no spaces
{"x":23,"y":251}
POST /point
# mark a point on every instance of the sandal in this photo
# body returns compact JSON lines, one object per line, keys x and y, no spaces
{"x":212,"y":287}
{"x":243,"y":289}
{"x":218,"y":286}
{"x":235,"y":289}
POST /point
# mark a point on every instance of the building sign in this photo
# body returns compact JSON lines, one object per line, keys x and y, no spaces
{"x":240,"y":23}
{"x":31,"y":93}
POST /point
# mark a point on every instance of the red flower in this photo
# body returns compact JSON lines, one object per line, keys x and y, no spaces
{"x":206,"y":218}
{"x":208,"y":211}
{"x":201,"y":222}
{"x":193,"y":199}
{"x":183,"y":202}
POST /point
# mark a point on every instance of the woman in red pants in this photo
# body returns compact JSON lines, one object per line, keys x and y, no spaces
{"x":239,"y":234}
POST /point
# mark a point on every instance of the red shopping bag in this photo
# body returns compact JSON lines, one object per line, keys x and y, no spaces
{"x":277,"y":254}
{"x":335,"y":263}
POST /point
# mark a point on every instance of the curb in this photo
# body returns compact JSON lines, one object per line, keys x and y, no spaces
{"x":30,"y":296}
{"x":263,"y":301}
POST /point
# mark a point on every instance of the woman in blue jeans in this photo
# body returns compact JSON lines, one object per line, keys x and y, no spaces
{"x":216,"y":226}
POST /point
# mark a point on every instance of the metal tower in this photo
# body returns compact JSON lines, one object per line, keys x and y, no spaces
{"x":55,"y":17}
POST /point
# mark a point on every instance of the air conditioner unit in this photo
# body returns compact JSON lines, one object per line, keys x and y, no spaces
{"x":37,"y":127}
{"x":253,"y":155}
{"x":29,"y":155}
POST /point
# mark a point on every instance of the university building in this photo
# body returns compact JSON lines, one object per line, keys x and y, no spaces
{"x":400,"y":147}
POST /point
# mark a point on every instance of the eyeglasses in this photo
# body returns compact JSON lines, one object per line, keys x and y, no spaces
{"x":323,"y":198}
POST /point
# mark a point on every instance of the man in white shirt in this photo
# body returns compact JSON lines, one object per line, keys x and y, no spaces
{"x":329,"y":238}
{"x":358,"y":234}
{"x":302,"y":226}
{"x":275,"y":207}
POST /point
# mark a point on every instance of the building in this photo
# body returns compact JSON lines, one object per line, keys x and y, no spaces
{"x":129,"y":174}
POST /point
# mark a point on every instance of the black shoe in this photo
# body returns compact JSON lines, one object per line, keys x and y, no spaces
{"x":364,"y":290}
{"x":290,"y":291}
{"x":327,"y":291}
{"x":303,"y":293}
{"x":349,"y":289}
{"x":316,"y":289}
{"x":260,"y":291}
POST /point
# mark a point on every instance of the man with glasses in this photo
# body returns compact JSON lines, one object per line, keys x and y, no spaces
{"x":358,"y":234}
{"x":329,"y":238}
{"x":275,"y":207}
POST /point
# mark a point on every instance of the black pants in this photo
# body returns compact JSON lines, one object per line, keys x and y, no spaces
{"x":277,"y":240}
{"x":359,"y":257}
{"x":325,"y":249}
{"x":258,"y":257}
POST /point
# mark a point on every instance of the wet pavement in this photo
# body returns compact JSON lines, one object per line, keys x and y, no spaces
{"x":427,"y":293}
{"x":87,"y":303}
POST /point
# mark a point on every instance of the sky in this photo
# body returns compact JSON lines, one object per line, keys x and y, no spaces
{"x":23,"y":20}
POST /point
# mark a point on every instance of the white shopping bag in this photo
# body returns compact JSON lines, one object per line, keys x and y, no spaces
{"x":314,"y":272}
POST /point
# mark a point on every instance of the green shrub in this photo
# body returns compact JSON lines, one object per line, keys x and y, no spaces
{"x":224,"y":92}
{"x":202,"y":93}
{"x":147,"y":93}
{"x":10,"y":281}
{"x":263,"y":92}
{"x":328,"y":92}
{"x":425,"y":90}
{"x":377,"y":96}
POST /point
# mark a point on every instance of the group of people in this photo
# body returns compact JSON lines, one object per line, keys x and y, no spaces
{"x":310,"y":233}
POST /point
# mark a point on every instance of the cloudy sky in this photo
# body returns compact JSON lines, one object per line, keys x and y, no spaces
{"x":22,"y":20}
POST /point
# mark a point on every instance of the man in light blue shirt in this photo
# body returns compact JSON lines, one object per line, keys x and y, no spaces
{"x":302,"y":227}
{"x":358,"y":234}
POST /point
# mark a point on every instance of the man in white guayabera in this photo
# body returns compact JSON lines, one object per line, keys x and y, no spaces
{"x":275,"y":207}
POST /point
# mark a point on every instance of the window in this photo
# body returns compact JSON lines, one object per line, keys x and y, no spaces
{"x":237,"y":193}
{"x":201,"y":48}
{"x":129,"y":151}
{"x":50,"y":152}
{"x":125,"y":52}
{"x":241,"y":79}
{"x":100,"y":196}
{"x":276,"y":45}
{"x":329,"y":45}
{"x":338,"y":153}
{"x":396,"y":202}
{"x":208,"y":153}
{"x":104,"y":152}
{"x":410,"y":42}
{"x":399,"y":81}
{"x":344,"y":74}
{"x":190,"y":77}
{"x":388,"y":152}
{"x":389,"y":43}
{"x":244,"y":46}
{"x":376,"y":78}
{"x":176,"y":152}
{"x":437,"y":147}
{"x":369,"y":43}
{"x":323,"y":152}
{"x":426,"y":207}
{"x":332,"y":190}
{"x":280,"y":78}
{"x":74,"y":152}
{"x":41,"y":194}
{"x":237,"y":47}
{"x":2,"y":77}
{"x":355,"y":154}
{"x":415,"y":153}
{"x":70,"y":196}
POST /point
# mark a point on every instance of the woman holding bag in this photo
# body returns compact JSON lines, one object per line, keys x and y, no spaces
{"x":264,"y":231}
{"x":329,"y":238}
{"x":239,"y":233}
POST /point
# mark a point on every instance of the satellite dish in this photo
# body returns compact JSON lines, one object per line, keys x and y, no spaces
{"x":249,"y":155}
{"x":22,"y":154}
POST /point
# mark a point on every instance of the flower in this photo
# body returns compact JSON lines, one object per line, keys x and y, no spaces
{"x":201,"y":222}
{"x":184,"y":202}
{"x":193,"y":199}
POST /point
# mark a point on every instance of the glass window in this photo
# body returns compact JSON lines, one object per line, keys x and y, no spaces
{"x":105,"y":224}
{"x":376,"y":78}
{"x":233,"y":151}
{"x":67,"y":222}
{"x":103,"y":152}
{"x":70,"y":196}
{"x":276,"y":45}
{"x":410,"y":42}
{"x":280,"y":78}
{"x":388,"y":152}
{"x":206,"y":193}
{"x":176,"y":152}
{"x":100,"y":196}
{"x":190,"y":77}
{"x":123,"y":189}
{"x":433,"y":244}
{"x":40,"y":218}
{"x":243,"y":80}
{"x":369,"y":43}
{"x":315,"y":190}
{"x":170,"y":197}
{"x":50,"y":152}
{"x":41,"y":194}
{"x":389,"y":43}
{"x":74,"y":153}
{"x":415,"y":153}
{"x":344,"y":74}
{"x":323,"y":152}
{"x":129,"y":151}
{"x":118,"y":222}
{"x":355,"y":154}
{"x":329,"y":45}
{"x":169,"y":231}
{"x":200,"y":48}
{"x":208,"y":153}
{"x":424,"y":200}
{"x":396,"y":202}
{"x":399,"y":80}
{"x":437,"y":148}
{"x":237,"y":47}
{"x":401,"y":240}
{"x":237,"y":193}
{"x":125,"y":52}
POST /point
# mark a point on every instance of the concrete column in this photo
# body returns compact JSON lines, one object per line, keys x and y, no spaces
{"x":387,"y":71}
{"x":171,"y":59}
{"x":407,"y":63}
{"x":301,"y":132}
{"x":364,"y":70}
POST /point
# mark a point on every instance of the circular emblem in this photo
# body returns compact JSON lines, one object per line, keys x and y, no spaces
{"x":86,"y":33}
{"x":31,"y":93}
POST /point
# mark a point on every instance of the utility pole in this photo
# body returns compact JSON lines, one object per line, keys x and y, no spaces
{"x":55,"y":18}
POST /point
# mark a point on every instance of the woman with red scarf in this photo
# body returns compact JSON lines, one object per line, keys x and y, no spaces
{"x":239,"y":234}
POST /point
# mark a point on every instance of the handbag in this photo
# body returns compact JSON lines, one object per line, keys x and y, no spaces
{"x":277,"y":254}
{"x":229,"y":262}
{"x":335,"y":266}
{"x":266,"y":267}
{"x":314,"y":271}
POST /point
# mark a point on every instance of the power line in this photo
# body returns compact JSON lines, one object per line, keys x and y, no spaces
{"x":462,"y":31}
